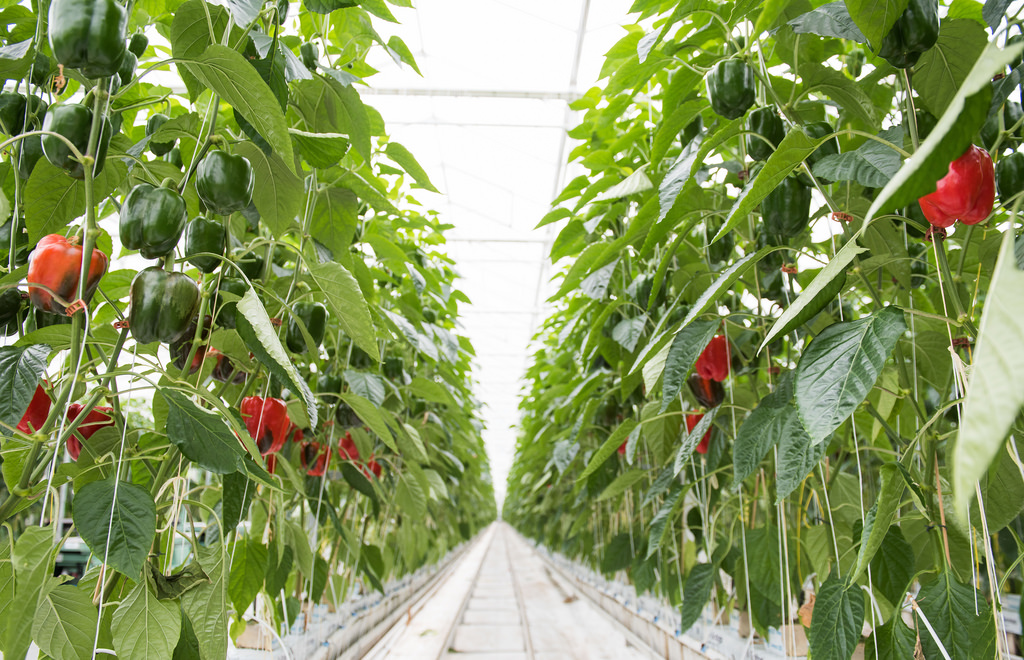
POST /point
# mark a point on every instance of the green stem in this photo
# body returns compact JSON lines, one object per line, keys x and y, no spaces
{"x":951,"y":290}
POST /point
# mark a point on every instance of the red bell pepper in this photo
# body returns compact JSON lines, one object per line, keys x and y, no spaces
{"x":966,"y":193}
{"x":267,"y":422}
{"x":347,"y":448}
{"x":56,"y":263}
{"x":36,"y":413}
{"x":692,"y":419}
{"x":314,"y":459}
{"x":97,"y":418}
{"x":713,"y":362}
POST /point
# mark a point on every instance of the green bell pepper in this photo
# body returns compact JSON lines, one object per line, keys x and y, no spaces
{"x":227,"y":311}
{"x":313,"y":315}
{"x":816,"y":131}
{"x":204,"y":235}
{"x":787,"y":209}
{"x":162,"y":305}
{"x":393,"y":367}
{"x":10,"y":305}
{"x":250,"y":263}
{"x":74,"y":122}
{"x":731,"y":88}
{"x":766,"y":123}
{"x":1010,"y":176}
{"x":152,"y":125}
{"x":127,"y":69}
{"x":138,"y":44}
{"x":225,"y":182}
{"x":310,"y":54}
{"x":88,"y":35}
{"x":152,"y":220}
{"x":31,"y":150}
{"x":915,"y":31}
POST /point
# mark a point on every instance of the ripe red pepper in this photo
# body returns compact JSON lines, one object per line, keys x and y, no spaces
{"x":622,"y":448}
{"x":966,"y":193}
{"x":36,"y":413}
{"x":692,"y":419}
{"x":713,"y":362}
{"x":374,"y":467}
{"x":314,"y":459}
{"x":709,"y":393}
{"x":347,"y":448}
{"x":96,"y":419}
{"x":267,"y":422}
{"x":56,"y":264}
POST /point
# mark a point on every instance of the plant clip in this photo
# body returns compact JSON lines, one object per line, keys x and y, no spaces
{"x":24,"y":295}
{"x":961,"y":342}
{"x":935,"y":234}
{"x":839,"y":216}
{"x":276,"y":322}
{"x":998,"y":76}
{"x":121,"y":325}
{"x":775,"y":371}
{"x":75,"y":307}
{"x":789,"y":268}
{"x":742,"y":175}
{"x":59,"y":81}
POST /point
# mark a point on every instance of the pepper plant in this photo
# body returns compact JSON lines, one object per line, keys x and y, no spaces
{"x":751,"y":174}
{"x":268,"y":407}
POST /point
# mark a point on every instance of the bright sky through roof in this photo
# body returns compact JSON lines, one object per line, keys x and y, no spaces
{"x":487,"y":121}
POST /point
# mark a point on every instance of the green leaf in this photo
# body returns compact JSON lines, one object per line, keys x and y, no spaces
{"x":371,"y":416}
{"x":335,"y":219}
{"x":617,"y":554}
{"x":622,"y":483}
{"x":410,"y":498}
{"x":278,"y":194}
{"x":428,"y":390}
{"x":368,"y":386}
{"x":404,"y":157}
{"x":248,"y":568}
{"x":677,"y":176}
{"x":836,"y":86}
{"x":327,"y":106}
{"x":358,"y":480}
{"x":327,"y":6}
{"x":682,"y":353}
{"x":346,"y":302}
{"x":16,"y":59}
{"x":120,"y":526}
{"x":840,"y":367}
{"x":762,"y":429}
{"x":659,"y":524}
{"x":175,"y":585}
{"x":227,"y":73}
{"x":261,"y":338}
{"x":201,"y":435}
{"x":20,"y":370}
{"x":237,"y":495}
{"x":321,"y":150}
{"x":871,"y":165}
{"x":696,"y":593}
{"x":944,"y":67}
{"x":793,"y":149}
{"x":608,"y":448}
{"x":145,"y":627}
{"x":952,"y":134}
{"x":892,"y":568}
{"x":628,"y":332}
{"x":879,"y":517}
{"x":397,"y":46}
{"x":816,"y":291}
{"x":831,"y":20}
{"x":798,"y":456}
{"x":6,"y":587}
{"x":875,"y":17}
{"x":995,"y":392}
{"x":690,"y":439}
{"x":950,"y":608}
{"x":33,"y":563}
{"x":894,"y":641}
{"x":191,"y":34}
{"x":65,"y":623}
{"x":837,"y":620}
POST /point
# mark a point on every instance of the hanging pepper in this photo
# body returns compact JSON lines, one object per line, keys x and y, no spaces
{"x":764,"y":123}
{"x":36,"y":413}
{"x":74,"y":122}
{"x":204,"y":235}
{"x":346,"y":417}
{"x":372,"y":466}
{"x":787,"y":209}
{"x":1010,"y":176}
{"x":97,"y":419}
{"x":692,"y":419}
{"x":30,"y":151}
{"x":250,"y":263}
{"x":126,"y":71}
{"x":88,"y":35}
{"x":314,"y":459}
{"x":267,"y":422}
{"x":314,"y":316}
{"x":162,"y":305}
{"x":816,"y":131}
{"x":10,"y":306}
{"x":915,"y":31}
{"x":347,"y":449}
{"x":56,"y":264}
{"x":310,"y":54}
{"x":227,"y":311}
{"x":224,"y":182}
{"x":138,"y":44}
{"x":153,"y":124}
{"x":966,"y":193}
{"x":731,"y":88}
{"x":393,"y":368}
{"x":709,"y":393}
{"x":989,"y":133}
{"x":152,"y":220}
{"x":713,"y":362}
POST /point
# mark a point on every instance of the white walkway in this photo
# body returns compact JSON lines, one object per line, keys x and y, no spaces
{"x":503,"y":602}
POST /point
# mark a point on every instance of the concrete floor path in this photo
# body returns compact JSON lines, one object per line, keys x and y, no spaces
{"x":503,"y":602}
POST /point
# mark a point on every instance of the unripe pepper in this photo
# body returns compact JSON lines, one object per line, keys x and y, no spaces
{"x":314,"y":316}
{"x":96,"y":419}
{"x":225,"y":182}
{"x":966,"y":193}
{"x":393,"y":368}
{"x":126,"y":71}
{"x":10,"y":305}
{"x":816,"y":131}
{"x":30,"y":151}
{"x":731,"y":88}
{"x":153,"y":124}
{"x":227,"y":311}
{"x":915,"y":31}
{"x":713,"y":362}
{"x":152,"y":220}
{"x":310,"y":54}
{"x":56,"y":264}
{"x":766,"y":123}
{"x":137,"y":44}
{"x":204,"y":235}
{"x":162,"y":305}
{"x":1010,"y":176}
{"x":36,"y":413}
{"x":787,"y":209}
{"x":88,"y":35}
{"x":267,"y":422}
{"x":692,"y":419}
{"x":74,"y":122}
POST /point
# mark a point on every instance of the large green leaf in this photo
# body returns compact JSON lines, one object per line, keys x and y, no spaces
{"x":120,"y":526}
{"x":879,"y":517}
{"x":892,"y":568}
{"x":622,"y":483}
{"x":837,"y":620}
{"x":871,"y":164}
{"x":950,"y":608}
{"x":840,"y":367}
{"x":995,"y":392}
{"x":226,"y":72}
{"x":248,"y":569}
{"x":696,"y":593}
{"x":334,"y":220}
{"x":372,"y":417}
{"x":32,"y":560}
{"x":661,"y":520}
{"x":875,"y":17}
{"x":762,"y":429}
{"x":608,"y":448}
{"x":278,"y":194}
{"x":20,"y":370}
{"x":831,"y":20}
{"x":893,"y":641}
{"x":65,"y":623}
{"x":201,"y":435}
{"x":682,"y":353}
{"x":404,"y":157}
{"x":145,"y":627}
{"x":261,"y":338}
{"x":327,"y":106}
{"x":53,"y":199}
{"x":346,"y":302}
{"x":944,"y":67}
